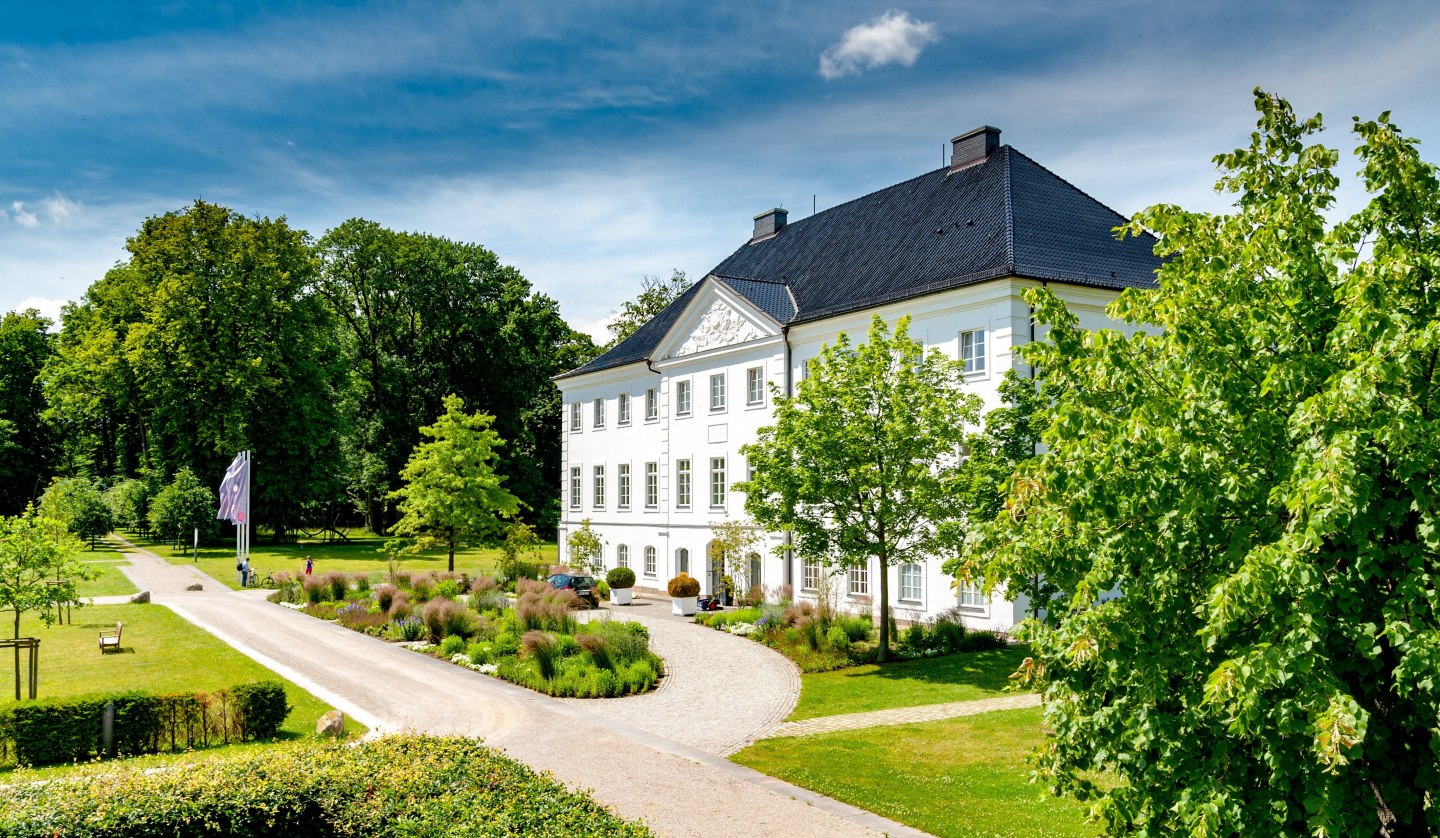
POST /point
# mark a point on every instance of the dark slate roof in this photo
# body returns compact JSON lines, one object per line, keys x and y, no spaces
{"x":1006,"y":216}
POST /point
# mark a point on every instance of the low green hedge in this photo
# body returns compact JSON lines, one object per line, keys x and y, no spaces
{"x":397,"y":786}
{"x":69,"y":729}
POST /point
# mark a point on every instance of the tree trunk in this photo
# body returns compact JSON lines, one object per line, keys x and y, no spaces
{"x":17,"y":654}
{"x":452,"y":549}
{"x":884,"y":606}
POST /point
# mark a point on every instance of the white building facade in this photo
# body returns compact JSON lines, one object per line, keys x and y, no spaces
{"x":652,"y":430}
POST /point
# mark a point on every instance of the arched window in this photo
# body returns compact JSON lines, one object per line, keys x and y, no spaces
{"x":649,"y":561}
{"x":682,"y":561}
{"x":622,"y":555}
{"x":754,"y":568}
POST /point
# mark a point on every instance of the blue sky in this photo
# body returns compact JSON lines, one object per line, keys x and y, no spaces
{"x":589,"y":144}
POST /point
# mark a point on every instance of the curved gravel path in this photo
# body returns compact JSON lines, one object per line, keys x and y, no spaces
{"x":719,"y":694}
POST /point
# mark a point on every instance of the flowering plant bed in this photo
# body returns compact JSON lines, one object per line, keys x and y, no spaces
{"x":532,"y":640}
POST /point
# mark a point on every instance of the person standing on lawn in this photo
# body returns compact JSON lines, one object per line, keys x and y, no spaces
{"x":309,"y":565}
{"x":244,"y":568}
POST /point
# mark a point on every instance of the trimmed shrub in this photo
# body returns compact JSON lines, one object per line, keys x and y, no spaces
{"x":684,"y":585}
{"x":448,"y":588}
{"x":262,"y":708}
{"x":452,"y":645}
{"x":621,"y":578}
{"x":390,"y":787}
{"x":478,"y":653}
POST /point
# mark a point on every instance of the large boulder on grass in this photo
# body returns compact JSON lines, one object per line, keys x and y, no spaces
{"x":195,"y":587}
{"x":143,"y":596}
{"x":331,"y":724}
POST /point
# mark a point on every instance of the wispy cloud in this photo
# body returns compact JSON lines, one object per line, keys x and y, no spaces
{"x":891,"y":38}
{"x":22,"y":216}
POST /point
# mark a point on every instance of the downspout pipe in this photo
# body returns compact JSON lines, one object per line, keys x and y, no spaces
{"x":789,"y":393}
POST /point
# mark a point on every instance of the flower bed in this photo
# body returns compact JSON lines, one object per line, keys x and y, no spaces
{"x":532,"y":640}
{"x":818,"y":640}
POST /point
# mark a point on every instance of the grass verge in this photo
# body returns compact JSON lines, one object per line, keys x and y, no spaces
{"x":954,"y":778}
{"x":160,"y":652}
{"x":361,"y":554}
{"x":964,"y":676}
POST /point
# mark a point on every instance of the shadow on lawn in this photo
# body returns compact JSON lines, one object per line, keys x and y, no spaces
{"x":989,"y":670}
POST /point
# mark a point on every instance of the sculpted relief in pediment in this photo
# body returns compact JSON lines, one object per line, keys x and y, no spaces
{"x":721,"y":326}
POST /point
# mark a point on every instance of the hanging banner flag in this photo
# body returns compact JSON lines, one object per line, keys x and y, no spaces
{"x":235,"y":492}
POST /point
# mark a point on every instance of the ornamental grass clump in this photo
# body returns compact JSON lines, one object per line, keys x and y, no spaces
{"x":422,"y":587}
{"x":385,"y":595}
{"x":315,"y":590}
{"x":399,"y":606}
{"x":338,"y":583}
{"x":540,"y":646}
{"x":444,"y":617}
{"x":594,"y":646}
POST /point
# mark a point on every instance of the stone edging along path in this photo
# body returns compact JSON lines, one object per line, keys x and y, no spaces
{"x":676,"y":787}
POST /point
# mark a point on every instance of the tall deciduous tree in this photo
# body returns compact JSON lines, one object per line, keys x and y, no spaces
{"x":38,"y":567}
{"x":27,"y":443}
{"x":182,"y":507}
{"x":79,"y":504}
{"x":860,"y":465}
{"x":655,"y":294}
{"x":423,"y":316}
{"x":452,"y":492}
{"x":1257,"y":476}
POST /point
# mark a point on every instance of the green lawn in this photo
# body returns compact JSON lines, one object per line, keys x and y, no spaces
{"x":360,"y":555}
{"x":960,"y":677}
{"x":106,"y":559}
{"x":958,"y":777}
{"x":160,"y":652}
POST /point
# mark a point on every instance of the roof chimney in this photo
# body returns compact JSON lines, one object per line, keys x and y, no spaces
{"x":768,"y":223}
{"x":973,"y":147}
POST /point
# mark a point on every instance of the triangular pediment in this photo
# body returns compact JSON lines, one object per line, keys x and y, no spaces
{"x":715,"y":319}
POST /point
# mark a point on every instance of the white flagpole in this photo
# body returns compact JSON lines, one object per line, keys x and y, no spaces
{"x":245,"y":526}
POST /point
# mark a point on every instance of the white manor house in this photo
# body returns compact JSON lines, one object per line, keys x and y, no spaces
{"x":652,"y":429}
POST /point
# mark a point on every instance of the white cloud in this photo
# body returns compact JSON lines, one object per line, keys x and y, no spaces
{"x":891,"y":38}
{"x":22,"y":216}
{"x":58,"y":207}
{"x":46,"y":306}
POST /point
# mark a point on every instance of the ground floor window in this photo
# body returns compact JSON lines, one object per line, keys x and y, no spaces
{"x":682,"y":561}
{"x":912,"y":582}
{"x":622,"y":556}
{"x":753,"y":560}
{"x":859,"y":579}
{"x":971,"y":592}
{"x":649,"y":561}
{"x":809,"y":576}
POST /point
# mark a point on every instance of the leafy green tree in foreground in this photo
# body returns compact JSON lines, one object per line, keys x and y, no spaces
{"x":38,"y":567}
{"x":1258,"y":477}
{"x":451,"y":490}
{"x":861,"y":464}
{"x":27,"y":441}
{"x":79,"y":504}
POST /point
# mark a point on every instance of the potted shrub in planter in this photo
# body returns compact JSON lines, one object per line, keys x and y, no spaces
{"x":684,"y":594}
{"x":621,"y":581}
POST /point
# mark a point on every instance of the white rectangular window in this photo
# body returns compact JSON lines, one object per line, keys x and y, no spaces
{"x":972,"y":350}
{"x":755,"y":385}
{"x":682,"y":398}
{"x":809,"y":576}
{"x":717,"y":391}
{"x":599,"y":487}
{"x":971,"y":592}
{"x":859,"y":579}
{"x":682,"y":483}
{"x":622,"y":479}
{"x":575,"y":488}
{"x":574,"y":416}
{"x":717,"y":481}
{"x":912,"y":582}
{"x":652,"y":405}
{"x":623,"y":409}
{"x":649,"y":561}
{"x":652,"y":485}
{"x":622,"y":556}
{"x":599,"y":413}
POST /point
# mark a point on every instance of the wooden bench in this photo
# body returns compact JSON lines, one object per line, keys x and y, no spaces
{"x":111,"y":639}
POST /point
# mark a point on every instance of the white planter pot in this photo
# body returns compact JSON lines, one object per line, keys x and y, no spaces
{"x":684,"y":606}
{"x":621,"y":596}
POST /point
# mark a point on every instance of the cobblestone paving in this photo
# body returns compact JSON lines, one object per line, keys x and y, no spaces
{"x":719,"y":694}
{"x":905,"y":715}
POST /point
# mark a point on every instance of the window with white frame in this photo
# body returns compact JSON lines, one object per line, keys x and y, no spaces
{"x":574,"y":416}
{"x":575,"y":488}
{"x":599,"y":500}
{"x":717,"y":391}
{"x":972,"y":350}
{"x":622,"y":555}
{"x":755,"y":385}
{"x":649,"y":561}
{"x":859,"y":580}
{"x":912,"y":582}
{"x":970,"y":592}
{"x":717,"y":481}
{"x":652,"y":405}
{"x":622,"y":409}
{"x":682,"y":398}
{"x":622,"y":488}
{"x":599,"y":413}
{"x":682,"y":483}
{"x":682,"y":561}
{"x":809,"y":576}
{"x":652,"y":485}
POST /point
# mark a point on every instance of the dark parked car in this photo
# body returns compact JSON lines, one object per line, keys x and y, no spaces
{"x":582,"y":585}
